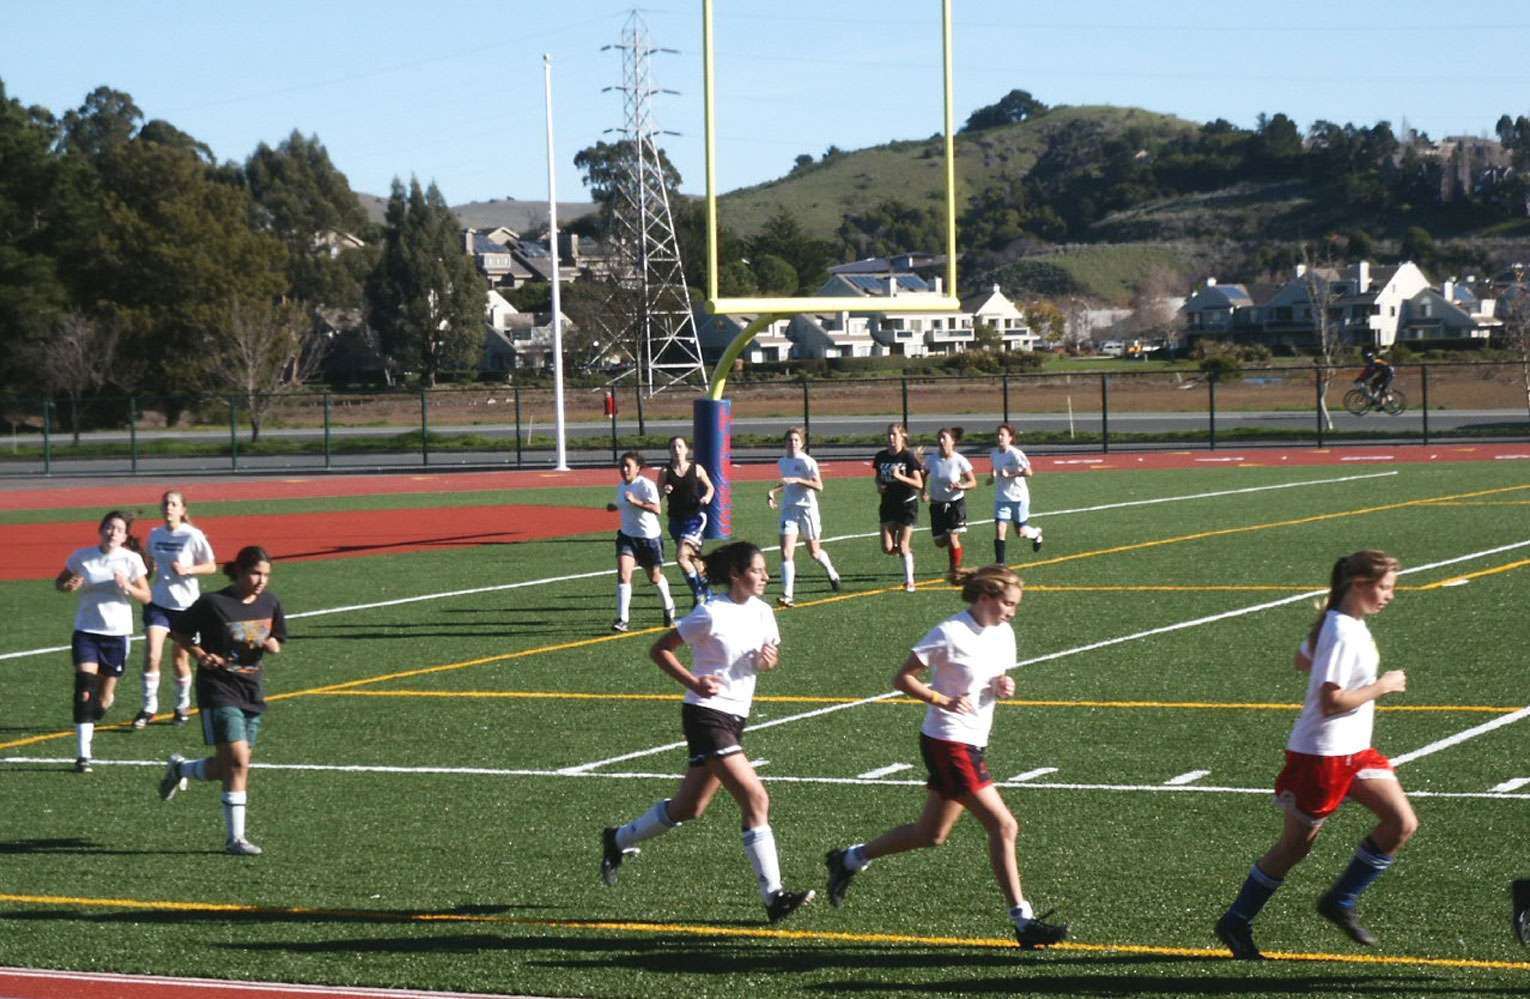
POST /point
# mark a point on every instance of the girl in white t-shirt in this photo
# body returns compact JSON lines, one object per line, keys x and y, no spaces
{"x":181,"y":553}
{"x":970,"y":656}
{"x":946,"y":482}
{"x":639,"y":541}
{"x":733,"y":638}
{"x":796,"y":496}
{"x":1329,"y":757}
{"x":1010,"y":470}
{"x":107,"y":576}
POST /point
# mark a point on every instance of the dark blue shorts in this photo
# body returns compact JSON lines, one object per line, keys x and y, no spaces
{"x":108,"y":652}
{"x":688,"y":530}
{"x":155,"y":616}
{"x":646,"y":552}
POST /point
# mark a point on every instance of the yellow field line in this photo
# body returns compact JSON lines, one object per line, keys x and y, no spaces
{"x":861,"y":594}
{"x":555,"y":695}
{"x":735,"y":932}
{"x":1477,"y":575}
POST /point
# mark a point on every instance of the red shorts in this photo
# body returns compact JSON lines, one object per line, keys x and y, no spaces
{"x":956,"y":768}
{"x":1312,"y":787}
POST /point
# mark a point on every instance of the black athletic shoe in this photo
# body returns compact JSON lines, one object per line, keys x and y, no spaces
{"x":1521,"y":891}
{"x":611,"y":856}
{"x":1040,"y":933}
{"x":839,"y":876}
{"x":82,"y":765}
{"x":182,"y":716}
{"x":1238,"y":935}
{"x":834,"y":583}
{"x":1344,"y":918}
{"x":619,"y":625}
{"x":142,"y":718}
{"x":669,"y":617}
{"x":1036,"y":543}
{"x":785,"y":902}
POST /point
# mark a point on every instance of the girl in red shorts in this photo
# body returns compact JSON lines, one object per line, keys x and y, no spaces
{"x":970,"y":656}
{"x":1329,"y":757}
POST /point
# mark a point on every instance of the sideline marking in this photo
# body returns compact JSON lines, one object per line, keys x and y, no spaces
{"x":751,"y":932}
{"x":843,"y":537}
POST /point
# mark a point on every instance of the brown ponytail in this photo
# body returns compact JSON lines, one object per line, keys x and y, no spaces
{"x":1367,"y":566}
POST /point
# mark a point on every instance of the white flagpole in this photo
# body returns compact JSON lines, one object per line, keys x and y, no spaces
{"x":557,"y":300}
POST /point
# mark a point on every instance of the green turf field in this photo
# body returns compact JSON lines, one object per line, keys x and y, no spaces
{"x":434,"y":774}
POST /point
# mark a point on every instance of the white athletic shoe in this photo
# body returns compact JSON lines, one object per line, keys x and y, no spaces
{"x":172,"y":782}
{"x":241,"y":848}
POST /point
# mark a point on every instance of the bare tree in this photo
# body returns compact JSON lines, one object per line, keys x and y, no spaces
{"x":78,"y":360}
{"x":261,"y":351}
{"x":1321,"y":281}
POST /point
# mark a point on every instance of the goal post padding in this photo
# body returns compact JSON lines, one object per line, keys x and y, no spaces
{"x":713,"y":441}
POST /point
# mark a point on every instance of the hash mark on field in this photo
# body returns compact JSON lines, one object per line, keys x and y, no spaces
{"x":1511,"y":785}
{"x":1189,"y":777}
{"x":881,"y":772}
{"x":1032,"y":774}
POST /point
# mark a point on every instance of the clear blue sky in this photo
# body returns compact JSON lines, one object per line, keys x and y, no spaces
{"x":452,"y":91}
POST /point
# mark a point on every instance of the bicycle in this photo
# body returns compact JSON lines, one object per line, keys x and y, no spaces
{"x":1359,"y":401}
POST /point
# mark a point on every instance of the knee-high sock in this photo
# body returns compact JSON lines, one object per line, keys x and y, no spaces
{"x":908,"y":567}
{"x":788,"y":578}
{"x":623,"y":600}
{"x":760,"y":846}
{"x":955,"y":555}
{"x":182,"y":693}
{"x":654,"y":822}
{"x":999,"y":545}
{"x":822,"y":558}
{"x":1368,"y":864}
{"x":1257,"y":889}
{"x":151,"y":693}
{"x":669,"y":601}
{"x":233,"y":812}
{"x":84,"y":734}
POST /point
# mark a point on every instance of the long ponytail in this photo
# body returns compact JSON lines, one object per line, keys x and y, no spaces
{"x":1367,"y":566}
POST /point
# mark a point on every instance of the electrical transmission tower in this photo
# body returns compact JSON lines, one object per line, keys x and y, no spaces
{"x":649,"y":307}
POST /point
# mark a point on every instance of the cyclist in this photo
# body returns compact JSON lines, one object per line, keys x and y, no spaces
{"x":1377,"y":377}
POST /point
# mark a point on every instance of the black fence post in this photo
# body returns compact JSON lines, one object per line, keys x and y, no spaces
{"x":1006,"y":396}
{"x":807,"y":411}
{"x":1317,"y":400}
{"x":1423,"y":370}
{"x":903,"y":381}
{"x":1211,"y":400}
{"x":48,"y":436}
{"x":517,"y":425}
{"x":233,"y":432}
{"x":424,"y":427}
{"x":133,"y":434}
{"x":1104,"y":414}
{"x":326,"y":430}
{"x":614,"y":397}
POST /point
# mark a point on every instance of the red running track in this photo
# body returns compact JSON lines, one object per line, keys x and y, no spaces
{"x":23,"y":983}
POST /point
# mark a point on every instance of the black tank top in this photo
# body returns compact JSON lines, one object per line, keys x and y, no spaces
{"x":685,"y":491}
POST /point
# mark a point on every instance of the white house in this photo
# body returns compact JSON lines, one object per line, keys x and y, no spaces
{"x":995,"y":309}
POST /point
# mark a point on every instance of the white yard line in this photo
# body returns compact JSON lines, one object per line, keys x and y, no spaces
{"x":1460,"y":737}
{"x":891,"y":768}
{"x":448,"y":594}
{"x":1018,"y":783}
{"x":1186,"y":778}
{"x":1511,"y":785}
{"x":1032,"y":774}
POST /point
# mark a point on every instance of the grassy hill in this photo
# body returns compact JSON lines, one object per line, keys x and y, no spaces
{"x":911,"y":170}
{"x":522,"y":216}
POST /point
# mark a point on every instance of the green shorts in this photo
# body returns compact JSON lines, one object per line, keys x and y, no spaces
{"x":230,"y":724}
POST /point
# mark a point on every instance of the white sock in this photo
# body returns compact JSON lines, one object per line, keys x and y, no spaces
{"x":623,"y":600}
{"x":760,"y":846}
{"x":1021,"y":913}
{"x":654,"y":822}
{"x":233,"y":812}
{"x":151,"y":693}
{"x":182,"y":693}
{"x":663,"y":585}
{"x":855,"y":857}
{"x":788,"y":578}
{"x":822,"y":558}
{"x":84,"y":733}
{"x":908,"y":567}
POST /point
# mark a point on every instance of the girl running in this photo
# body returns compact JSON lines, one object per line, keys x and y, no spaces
{"x":107,"y":576}
{"x":228,"y":633}
{"x":1329,"y":757}
{"x":797,"y":498}
{"x":970,"y":655}
{"x":688,"y":489}
{"x":946,"y":488}
{"x":1010,"y":469}
{"x":181,"y":553}
{"x":639,"y":541}
{"x":733,"y":638}
{"x":900,"y":477}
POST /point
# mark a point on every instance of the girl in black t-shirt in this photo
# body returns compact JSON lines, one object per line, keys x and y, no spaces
{"x":227,"y":634}
{"x":900,"y":477}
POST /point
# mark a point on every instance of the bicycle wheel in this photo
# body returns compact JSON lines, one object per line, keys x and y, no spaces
{"x":1357,"y":402}
{"x":1394,"y":402}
